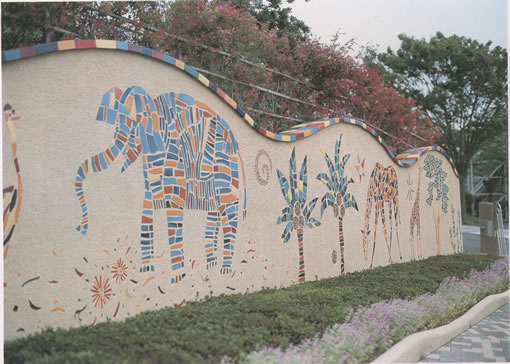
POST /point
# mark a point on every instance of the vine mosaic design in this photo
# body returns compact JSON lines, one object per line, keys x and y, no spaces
{"x":382,"y":188}
{"x":190,"y":160}
{"x":297,"y":213}
{"x":434,"y":171}
{"x":337,"y":196}
{"x":12,"y":194}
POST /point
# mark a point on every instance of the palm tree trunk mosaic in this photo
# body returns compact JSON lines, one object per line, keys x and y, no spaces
{"x":337,"y":196}
{"x":341,"y":238}
{"x":301,"y":275}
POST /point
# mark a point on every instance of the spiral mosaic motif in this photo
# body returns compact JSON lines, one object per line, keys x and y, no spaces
{"x":263,"y":167}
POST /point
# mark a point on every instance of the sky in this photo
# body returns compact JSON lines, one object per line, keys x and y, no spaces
{"x":378,"y":22}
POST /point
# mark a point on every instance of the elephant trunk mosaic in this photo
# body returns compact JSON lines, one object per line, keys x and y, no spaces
{"x":166,"y":223}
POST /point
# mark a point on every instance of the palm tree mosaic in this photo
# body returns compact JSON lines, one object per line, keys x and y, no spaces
{"x":337,"y":196}
{"x":297,"y":213}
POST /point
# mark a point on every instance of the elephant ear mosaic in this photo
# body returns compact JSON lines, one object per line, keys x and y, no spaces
{"x":131,"y":182}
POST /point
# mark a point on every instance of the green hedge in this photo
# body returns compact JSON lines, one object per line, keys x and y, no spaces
{"x":235,"y":324}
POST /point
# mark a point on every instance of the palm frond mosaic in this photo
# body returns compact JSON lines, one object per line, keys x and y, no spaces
{"x":337,"y":196}
{"x":298,"y":213}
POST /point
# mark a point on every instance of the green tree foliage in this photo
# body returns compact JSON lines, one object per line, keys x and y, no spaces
{"x":493,"y":152}
{"x":277,"y":17}
{"x":460,"y":83}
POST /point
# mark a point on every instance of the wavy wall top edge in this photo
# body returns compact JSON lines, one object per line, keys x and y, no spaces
{"x":298,"y":132}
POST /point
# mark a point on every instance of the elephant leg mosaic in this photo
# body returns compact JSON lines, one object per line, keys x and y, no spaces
{"x":175,"y":219}
{"x":147,"y":241}
{"x":229,"y":225}
{"x":153,"y":200}
{"x":212,"y":227}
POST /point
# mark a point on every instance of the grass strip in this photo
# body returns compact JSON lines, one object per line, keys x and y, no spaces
{"x":233,"y":325}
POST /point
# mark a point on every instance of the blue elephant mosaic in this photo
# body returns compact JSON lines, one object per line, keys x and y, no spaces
{"x":191,"y":160}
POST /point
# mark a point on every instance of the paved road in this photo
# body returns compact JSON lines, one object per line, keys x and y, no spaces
{"x":487,"y":341}
{"x":471,"y":235}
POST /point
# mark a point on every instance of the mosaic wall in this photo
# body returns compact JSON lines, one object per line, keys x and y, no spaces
{"x":145,"y":186}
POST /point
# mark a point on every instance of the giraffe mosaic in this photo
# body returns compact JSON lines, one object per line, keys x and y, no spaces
{"x":415,"y":222}
{"x":12,"y":194}
{"x":382,"y":188}
{"x":190,"y":160}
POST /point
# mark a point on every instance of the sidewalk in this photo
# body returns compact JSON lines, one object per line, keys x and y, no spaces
{"x":486,"y":341}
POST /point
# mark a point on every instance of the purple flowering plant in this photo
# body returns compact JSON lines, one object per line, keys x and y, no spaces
{"x":371,"y":330}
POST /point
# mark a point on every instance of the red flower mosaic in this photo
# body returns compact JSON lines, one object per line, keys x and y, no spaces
{"x":119,"y":270}
{"x":101,"y":291}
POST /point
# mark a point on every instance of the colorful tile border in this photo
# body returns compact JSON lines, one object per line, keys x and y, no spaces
{"x":297,"y":132}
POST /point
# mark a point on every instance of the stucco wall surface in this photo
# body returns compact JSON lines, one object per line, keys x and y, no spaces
{"x":150,"y":238}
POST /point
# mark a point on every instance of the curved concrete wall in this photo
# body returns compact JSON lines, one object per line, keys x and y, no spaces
{"x":132,"y":183}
